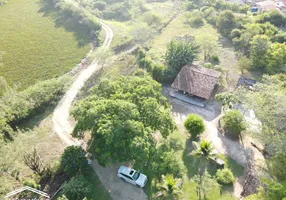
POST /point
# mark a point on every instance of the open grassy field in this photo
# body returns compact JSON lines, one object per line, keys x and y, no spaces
{"x":179,"y":27}
{"x":36,"y":43}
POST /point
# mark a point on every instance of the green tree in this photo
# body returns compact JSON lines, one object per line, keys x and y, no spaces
{"x":165,"y":159}
{"x":268,"y":102}
{"x":195,"y":18}
{"x":234,"y":123}
{"x":195,"y":125}
{"x":226,"y":22}
{"x":179,"y":54}
{"x":275,"y":17}
{"x":227,"y":100}
{"x":207,"y":187}
{"x":276,"y":58}
{"x":203,"y":149}
{"x":73,"y":160}
{"x":208,"y":44}
{"x":121,"y":115}
{"x":258,"y":51}
{"x":169,"y":187}
{"x":77,"y":188}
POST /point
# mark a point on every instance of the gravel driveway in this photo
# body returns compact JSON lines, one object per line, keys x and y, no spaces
{"x":118,"y":189}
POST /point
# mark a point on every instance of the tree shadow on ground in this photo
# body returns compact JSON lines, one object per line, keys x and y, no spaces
{"x":64,"y":19}
{"x":36,"y":118}
{"x":196,"y":165}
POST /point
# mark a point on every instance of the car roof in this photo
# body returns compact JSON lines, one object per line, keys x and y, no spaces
{"x":124,"y":170}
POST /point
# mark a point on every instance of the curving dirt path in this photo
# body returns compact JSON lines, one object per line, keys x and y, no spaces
{"x":118,"y":189}
{"x":61,"y":114}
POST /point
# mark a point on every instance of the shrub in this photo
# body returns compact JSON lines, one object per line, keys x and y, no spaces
{"x":225,"y":176}
{"x":235,"y":33}
{"x":77,"y":188}
{"x":18,"y":106}
{"x":195,"y":19}
{"x":158,"y":72}
{"x":274,"y":17}
{"x":100,"y":5}
{"x":152,"y":19}
{"x":74,"y":161}
{"x":215,"y":58}
{"x":234,"y":123}
{"x":31,"y":183}
{"x":226,"y":22}
{"x":194,"y":124}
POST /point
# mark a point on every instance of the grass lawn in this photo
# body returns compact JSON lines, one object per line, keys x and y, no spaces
{"x":36,"y":43}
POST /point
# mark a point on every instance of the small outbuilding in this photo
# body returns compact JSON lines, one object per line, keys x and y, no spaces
{"x":196,"y":80}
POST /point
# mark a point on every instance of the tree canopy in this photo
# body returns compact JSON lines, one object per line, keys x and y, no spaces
{"x":195,"y":124}
{"x":179,"y":54}
{"x":73,"y":160}
{"x":121,"y":115}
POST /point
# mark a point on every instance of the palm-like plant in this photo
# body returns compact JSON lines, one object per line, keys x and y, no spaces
{"x":169,"y":187}
{"x":203,"y":149}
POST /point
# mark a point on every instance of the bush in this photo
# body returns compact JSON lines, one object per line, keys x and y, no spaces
{"x":215,"y":58}
{"x":78,"y":188}
{"x":195,"y":125}
{"x":195,"y":19}
{"x":234,"y":123}
{"x":31,"y":183}
{"x":100,"y":5}
{"x":235,"y":33}
{"x":225,"y":176}
{"x":273,"y":16}
{"x":226,"y":22}
{"x":18,"y":106}
{"x":118,"y":11}
{"x":73,"y":160}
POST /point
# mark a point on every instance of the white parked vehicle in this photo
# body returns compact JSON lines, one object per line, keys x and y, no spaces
{"x":132,"y":176}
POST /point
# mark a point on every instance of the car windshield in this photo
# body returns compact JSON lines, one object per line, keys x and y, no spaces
{"x":136,"y":176}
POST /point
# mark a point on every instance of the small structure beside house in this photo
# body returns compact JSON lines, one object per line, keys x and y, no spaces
{"x":268,"y":5}
{"x":196,"y":81}
{"x":247,"y":82}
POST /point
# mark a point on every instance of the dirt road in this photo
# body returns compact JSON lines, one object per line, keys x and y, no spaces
{"x":119,"y":190}
{"x":61,"y":114}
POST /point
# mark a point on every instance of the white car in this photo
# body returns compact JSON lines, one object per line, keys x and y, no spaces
{"x":132,"y":176}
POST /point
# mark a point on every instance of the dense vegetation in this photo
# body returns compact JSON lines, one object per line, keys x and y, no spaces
{"x":18,"y":106}
{"x":127,"y":111}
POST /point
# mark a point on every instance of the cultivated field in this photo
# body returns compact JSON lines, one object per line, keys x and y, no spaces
{"x":36,"y":43}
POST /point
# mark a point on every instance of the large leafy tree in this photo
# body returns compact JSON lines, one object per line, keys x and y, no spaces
{"x":77,"y":188}
{"x":73,"y":160}
{"x":276,"y":58}
{"x":179,"y":54}
{"x":258,"y":49}
{"x":226,"y":22}
{"x":121,"y":115}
